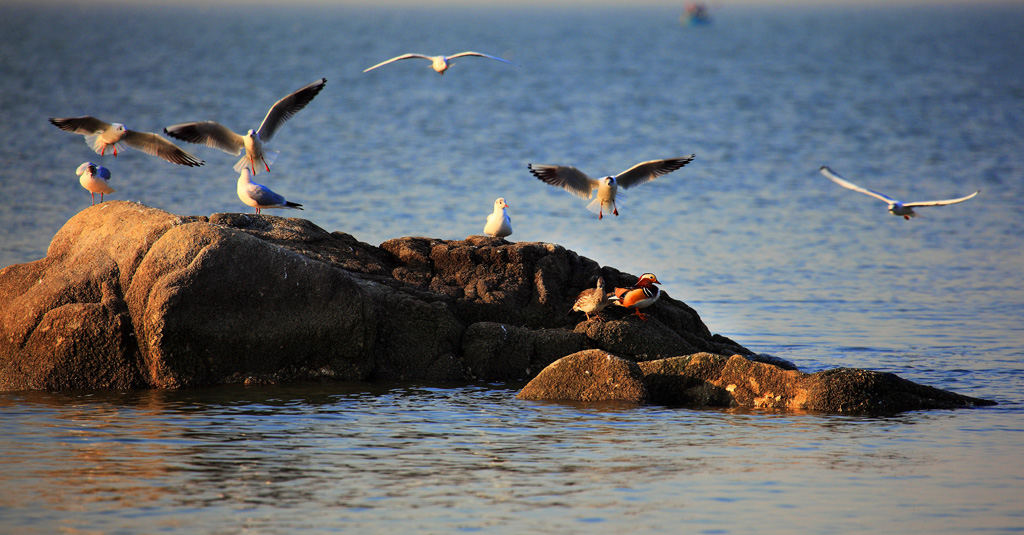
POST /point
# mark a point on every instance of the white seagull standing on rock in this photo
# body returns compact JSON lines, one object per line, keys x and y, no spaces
{"x":94,"y":178}
{"x":438,"y":63}
{"x":499,"y":224}
{"x":259,"y":196}
{"x":578,"y":183}
{"x":905,"y":209}
{"x":103,"y":136}
{"x":218,"y":136}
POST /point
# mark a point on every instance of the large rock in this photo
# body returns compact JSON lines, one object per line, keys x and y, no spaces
{"x":131,"y":296}
{"x":591,"y":375}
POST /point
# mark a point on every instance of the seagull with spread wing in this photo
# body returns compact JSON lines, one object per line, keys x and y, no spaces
{"x":905,"y":209}
{"x":578,"y":183}
{"x":438,"y":63}
{"x":218,"y":136}
{"x":103,"y":136}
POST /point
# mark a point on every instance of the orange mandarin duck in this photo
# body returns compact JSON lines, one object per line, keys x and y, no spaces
{"x":641,"y":295}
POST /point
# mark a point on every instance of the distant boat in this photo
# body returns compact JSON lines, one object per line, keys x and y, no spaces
{"x":694,"y":14}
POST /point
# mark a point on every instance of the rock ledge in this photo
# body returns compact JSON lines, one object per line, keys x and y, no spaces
{"x":130,"y":296}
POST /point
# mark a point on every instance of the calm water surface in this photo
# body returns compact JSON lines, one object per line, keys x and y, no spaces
{"x":917,"y":103}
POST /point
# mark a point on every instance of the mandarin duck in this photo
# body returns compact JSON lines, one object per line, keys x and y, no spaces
{"x":641,"y":295}
{"x":593,"y":300}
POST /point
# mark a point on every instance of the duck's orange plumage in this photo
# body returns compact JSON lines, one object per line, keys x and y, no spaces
{"x":641,"y":295}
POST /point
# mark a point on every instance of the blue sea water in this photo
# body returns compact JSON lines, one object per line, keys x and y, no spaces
{"x":920,"y":103}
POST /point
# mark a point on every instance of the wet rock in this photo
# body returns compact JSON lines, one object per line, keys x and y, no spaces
{"x":706,"y":379}
{"x":591,"y":375}
{"x":131,"y":296}
{"x":499,"y":352}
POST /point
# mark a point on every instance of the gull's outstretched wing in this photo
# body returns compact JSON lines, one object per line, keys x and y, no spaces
{"x":151,"y":143}
{"x":287,"y":107}
{"x":209,"y":133}
{"x":398,"y":58}
{"x":569,"y":178}
{"x":831,"y":175}
{"x":940,"y":203}
{"x":647,"y":171}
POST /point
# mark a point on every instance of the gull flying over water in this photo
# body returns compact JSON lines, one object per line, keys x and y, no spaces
{"x":218,"y":136}
{"x":578,"y":183}
{"x":905,"y":209}
{"x":103,"y":136}
{"x":259,"y":196}
{"x":438,"y":63}
{"x":94,"y":178}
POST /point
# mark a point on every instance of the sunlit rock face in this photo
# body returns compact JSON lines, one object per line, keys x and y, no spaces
{"x":130,"y":296}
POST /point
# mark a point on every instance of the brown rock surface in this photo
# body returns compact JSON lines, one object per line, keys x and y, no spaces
{"x":706,"y":379}
{"x":591,"y":375}
{"x":131,"y":296}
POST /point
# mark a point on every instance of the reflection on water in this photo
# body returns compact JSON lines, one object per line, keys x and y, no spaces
{"x":303,"y":458}
{"x":921,"y":103}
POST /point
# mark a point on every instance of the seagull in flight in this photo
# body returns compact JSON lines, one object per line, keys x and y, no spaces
{"x":94,"y":178}
{"x":438,"y":63}
{"x":103,"y":136}
{"x":218,"y":136}
{"x":259,"y":196}
{"x":905,"y":209}
{"x":578,"y":183}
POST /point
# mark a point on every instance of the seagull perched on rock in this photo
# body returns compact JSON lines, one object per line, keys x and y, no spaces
{"x":641,"y":295}
{"x":905,"y":209}
{"x":94,"y":178}
{"x":578,"y":183}
{"x":103,"y":136}
{"x":259,"y":196}
{"x":438,"y":63}
{"x":218,"y":136}
{"x":499,"y":224}
{"x":593,"y":300}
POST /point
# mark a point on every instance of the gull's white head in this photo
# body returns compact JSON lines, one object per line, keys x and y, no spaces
{"x":499,"y":204}
{"x":897,"y":208}
{"x":86,"y":167}
{"x":439,"y":64}
{"x":118,"y":127}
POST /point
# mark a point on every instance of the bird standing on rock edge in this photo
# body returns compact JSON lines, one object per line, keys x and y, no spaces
{"x":259,"y":196}
{"x":593,"y":300}
{"x":94,"y":178}
{"x":641,"y":295}
{"x":499,"y":224}
{"x":578,"y":183}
